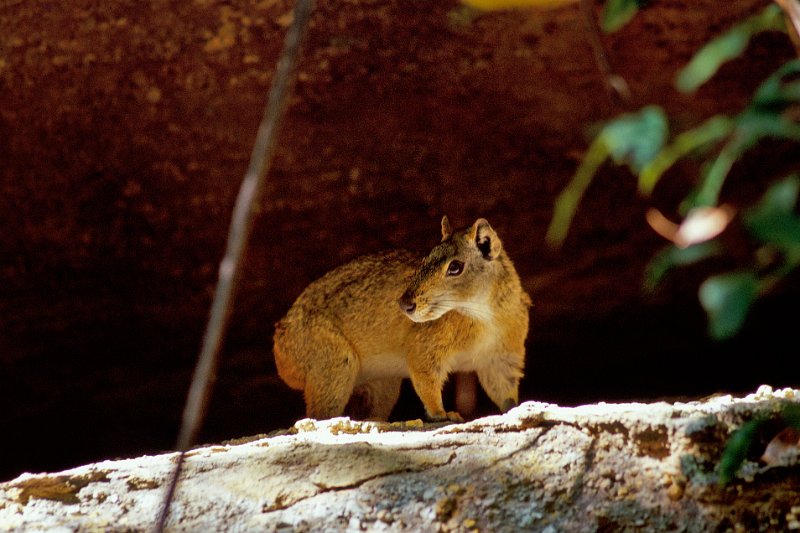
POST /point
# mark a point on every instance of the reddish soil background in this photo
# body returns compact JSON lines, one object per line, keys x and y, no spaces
{"x":125,"y":129}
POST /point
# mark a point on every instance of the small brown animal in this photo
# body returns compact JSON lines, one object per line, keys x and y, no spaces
{"x":363,"y":327}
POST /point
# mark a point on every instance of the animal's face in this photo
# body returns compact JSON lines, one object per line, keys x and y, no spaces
{"x":456,"y":275}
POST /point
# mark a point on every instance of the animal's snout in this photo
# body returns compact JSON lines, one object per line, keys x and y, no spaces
{"x":407,"y":303}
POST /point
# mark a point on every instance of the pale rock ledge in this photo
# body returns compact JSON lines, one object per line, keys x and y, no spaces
{"x":540,"y":467}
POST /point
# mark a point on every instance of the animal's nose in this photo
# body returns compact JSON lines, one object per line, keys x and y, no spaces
{"x":407,"y":303}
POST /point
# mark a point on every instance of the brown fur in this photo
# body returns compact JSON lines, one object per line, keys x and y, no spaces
{"x":363,"y":327}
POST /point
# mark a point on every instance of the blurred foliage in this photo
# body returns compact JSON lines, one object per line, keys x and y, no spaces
{"x":726,"y":299}
{"x":633,"y":139}
{"x":617,"y":13}
{"x":737,"y":449}
{"x":727,"y":46}
{"x":741,"y":441}
{"x":641,"y":140}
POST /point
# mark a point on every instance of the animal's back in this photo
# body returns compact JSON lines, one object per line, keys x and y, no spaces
{"x":357,"y":300}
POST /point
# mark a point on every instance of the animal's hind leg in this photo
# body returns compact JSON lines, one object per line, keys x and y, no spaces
{"x":374,"y":400}
{"x":500,"y":379}
{"x":331,"y":378}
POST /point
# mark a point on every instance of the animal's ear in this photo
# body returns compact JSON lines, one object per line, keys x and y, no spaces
{"x":486,"y":239}
{"x":447,"y":230}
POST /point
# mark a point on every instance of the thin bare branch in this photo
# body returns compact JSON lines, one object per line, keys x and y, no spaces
{"x":616,"y":86}
{"x":230,"y":267}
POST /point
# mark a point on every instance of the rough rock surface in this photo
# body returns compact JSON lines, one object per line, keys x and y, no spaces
{"x":540,"y":467}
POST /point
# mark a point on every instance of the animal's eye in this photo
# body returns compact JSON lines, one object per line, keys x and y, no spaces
{"x":455,"y":268}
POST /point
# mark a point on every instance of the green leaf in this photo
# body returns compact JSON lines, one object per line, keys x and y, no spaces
{"x":781,"y":197}
{"x":736,"y":450}
{"x":567,"y":202}
{"x":773,"y":220}
{"x":751,"y":125}
{"x":673,"y":256}
{"x":714,"y":175}
{"x":780,"y":229}
{"x":754,"y":124}
{"x":710,"y":58}
{"x":617,"y":13}
{"x":726,"y":299}
{"x":776,"y":92}
{"x":632,"y":138}
{"x":791,"y":415}
{"x":711,"y":130}
{"x":727,"y":46}
{"x":636,"y":138}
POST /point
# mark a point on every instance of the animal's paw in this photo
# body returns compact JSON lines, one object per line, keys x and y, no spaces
{"x":449,"y":416}
{"x":508,"y":405}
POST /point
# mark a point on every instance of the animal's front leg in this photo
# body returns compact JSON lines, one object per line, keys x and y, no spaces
{"x":428,"y":385}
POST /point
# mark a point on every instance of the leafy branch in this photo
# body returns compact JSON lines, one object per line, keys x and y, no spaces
{"x":640,"y":141}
